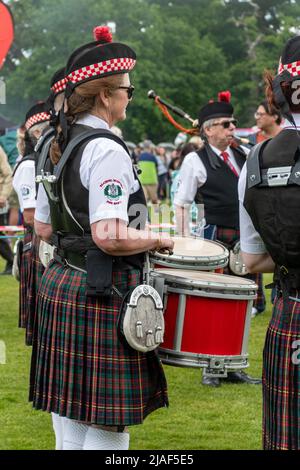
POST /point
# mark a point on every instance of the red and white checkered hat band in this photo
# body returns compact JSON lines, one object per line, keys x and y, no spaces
{"x":293,"y":68}
{"x":60,"y":86}
{"x":36,"y":119}
{"x":107,"y":66}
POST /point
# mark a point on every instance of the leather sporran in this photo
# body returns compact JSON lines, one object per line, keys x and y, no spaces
{"x":141,"y":320}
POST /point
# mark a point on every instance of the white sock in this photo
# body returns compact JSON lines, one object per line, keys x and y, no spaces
{"x":74,"y":434}
{"x":58,"y":427}
{"x":98,"y":439}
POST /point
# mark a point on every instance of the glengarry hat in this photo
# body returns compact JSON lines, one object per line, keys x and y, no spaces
{"x":216,"y":109}
{"x":288,"y":71}
{"x":98,"y":59}
{"x":37,"y":114}
{"x":58,"y":82}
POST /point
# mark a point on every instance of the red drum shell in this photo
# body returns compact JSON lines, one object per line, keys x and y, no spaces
{"x":206,"y":313}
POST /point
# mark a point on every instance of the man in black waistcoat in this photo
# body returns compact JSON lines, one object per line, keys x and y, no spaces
{"x":210,"y":177}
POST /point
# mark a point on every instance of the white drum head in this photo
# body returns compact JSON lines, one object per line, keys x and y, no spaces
{"x":204,"y":280}
{"x":194,"y":253}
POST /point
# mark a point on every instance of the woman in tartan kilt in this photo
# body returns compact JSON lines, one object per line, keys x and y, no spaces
{"x":31,"y":267}
{"x":270,"y":240}
{"x":37,"y":119}
{"x":85,"y":370}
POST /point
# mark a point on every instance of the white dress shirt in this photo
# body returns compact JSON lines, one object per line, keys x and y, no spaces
{"x":106,"y":172}
{"x":193,"y":175}
{"x":24,"y":184}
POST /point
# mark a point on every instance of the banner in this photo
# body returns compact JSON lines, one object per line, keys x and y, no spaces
{"x":6,"y":31}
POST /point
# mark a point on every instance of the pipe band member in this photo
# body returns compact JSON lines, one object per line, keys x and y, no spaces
{"x":85,"y":371}
{"x":270,"y":242}
{"x":36,"y":121}
{"x":209,"y":177}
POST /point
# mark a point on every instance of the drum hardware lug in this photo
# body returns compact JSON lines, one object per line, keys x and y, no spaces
{"x":216,"y":368}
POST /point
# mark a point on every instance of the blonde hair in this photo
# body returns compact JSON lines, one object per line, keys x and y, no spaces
{"x":84,"y":99}
{"x":21,"y":144}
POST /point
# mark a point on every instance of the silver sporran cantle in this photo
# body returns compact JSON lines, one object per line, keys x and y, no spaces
{"x":236,"y":263}
{"x":143,"y":324}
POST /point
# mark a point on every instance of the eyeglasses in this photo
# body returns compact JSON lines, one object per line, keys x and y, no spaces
{"x":257,"y":115}
{"x":226,"y":124}
{"x":129,"y":89}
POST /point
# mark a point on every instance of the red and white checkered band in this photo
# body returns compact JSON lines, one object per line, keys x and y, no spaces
{"x":107,"y":66}
{"x":36,"y":119}
{"x":293,"y":68}
{"x":60,"y":86}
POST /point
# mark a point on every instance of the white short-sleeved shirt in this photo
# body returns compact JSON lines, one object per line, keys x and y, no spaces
{"x":24,"y":185}
{"x":250,"y":239}
{"x":193,"y":175}
{"x":106,"y":172}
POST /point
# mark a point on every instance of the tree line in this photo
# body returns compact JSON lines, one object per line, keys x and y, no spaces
{"x":187,"y":51}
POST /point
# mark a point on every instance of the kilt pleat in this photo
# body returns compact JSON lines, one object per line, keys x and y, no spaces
{"x":85,"y":371}
{"x":281,"y":379}
{"x":35,"y":274}
{"x":24,"y":281}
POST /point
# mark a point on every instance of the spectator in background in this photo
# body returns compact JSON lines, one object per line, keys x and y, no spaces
{"x":148,"y":177}
{"x":5,"y":190}
{"x":185,"y":149}
{"x":8,"y":141}
{"x":268,"y":120}
{"x":162,"y":173}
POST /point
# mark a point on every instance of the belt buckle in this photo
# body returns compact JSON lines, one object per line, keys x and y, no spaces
{"x":283,"y":270}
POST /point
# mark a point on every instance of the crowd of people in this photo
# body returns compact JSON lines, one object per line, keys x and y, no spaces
{"x":82,"y":370}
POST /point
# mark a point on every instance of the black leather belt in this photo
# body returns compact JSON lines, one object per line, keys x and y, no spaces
{"x":78,"y":261}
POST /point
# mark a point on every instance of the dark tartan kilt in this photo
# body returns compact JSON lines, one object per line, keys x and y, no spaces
{"x":84,"y":371}
{"x":24,"y":282}
{"x":229,"y":237}
{"x":281,"y":378}
{"x":35,"y":275}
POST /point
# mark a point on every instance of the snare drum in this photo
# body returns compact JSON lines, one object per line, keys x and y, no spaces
{"x":207,"y":319}
{"x":193,"y":253}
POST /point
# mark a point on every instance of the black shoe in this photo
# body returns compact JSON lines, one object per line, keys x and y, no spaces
{"x":211,"y":381}
{"x":241,"y":377}
{"x":7,"y":270}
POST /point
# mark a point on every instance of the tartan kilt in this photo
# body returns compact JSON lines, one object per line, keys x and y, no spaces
{"x":35,"y":275}
{"x":24,"y":282}
{"x":281,"y":378}
{"x":84,"y":371}
{"x":229,"y":236}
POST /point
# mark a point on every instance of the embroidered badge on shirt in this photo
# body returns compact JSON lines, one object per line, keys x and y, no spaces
{"x":113,"y":191}
{"x":26,"y":191}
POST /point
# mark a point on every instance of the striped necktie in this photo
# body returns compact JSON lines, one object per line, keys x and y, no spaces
{"x":225,"y":157}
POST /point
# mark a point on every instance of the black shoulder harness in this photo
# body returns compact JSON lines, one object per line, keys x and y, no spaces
{"x":275,"y":176}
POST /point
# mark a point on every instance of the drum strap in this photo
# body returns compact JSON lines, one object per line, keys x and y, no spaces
{"x":159,"y":286}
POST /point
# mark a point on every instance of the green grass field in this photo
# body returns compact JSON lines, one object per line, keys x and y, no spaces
{"x":198,"y":417}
